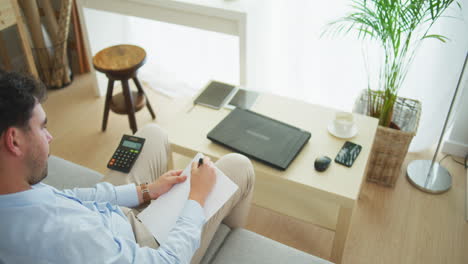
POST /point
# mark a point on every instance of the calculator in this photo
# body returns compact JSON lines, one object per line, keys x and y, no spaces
{"x":126,"y":153}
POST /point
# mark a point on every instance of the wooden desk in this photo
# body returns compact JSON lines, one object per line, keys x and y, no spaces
{"x":325,"y":199}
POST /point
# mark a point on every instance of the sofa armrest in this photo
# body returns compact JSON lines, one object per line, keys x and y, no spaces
{"x":64,"y":174}
{"x":243,"y":246}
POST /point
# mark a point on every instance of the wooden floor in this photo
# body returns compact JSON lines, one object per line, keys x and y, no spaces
{"x":389,"y":225}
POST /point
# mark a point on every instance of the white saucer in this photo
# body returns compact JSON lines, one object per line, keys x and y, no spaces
{"x":352,"y":133}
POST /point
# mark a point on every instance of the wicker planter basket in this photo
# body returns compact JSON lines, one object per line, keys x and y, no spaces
{"x":390,"y":145}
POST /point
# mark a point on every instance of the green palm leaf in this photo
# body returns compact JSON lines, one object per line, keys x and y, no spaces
{"x":399,"y":26}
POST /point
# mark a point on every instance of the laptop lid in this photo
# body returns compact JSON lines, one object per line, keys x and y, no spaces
{"x":259,"y":137}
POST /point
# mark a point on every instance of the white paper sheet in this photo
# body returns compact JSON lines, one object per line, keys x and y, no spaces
{"x":161,"y":215}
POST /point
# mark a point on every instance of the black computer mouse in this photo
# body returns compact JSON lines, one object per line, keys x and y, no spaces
{"x":322,"y":163}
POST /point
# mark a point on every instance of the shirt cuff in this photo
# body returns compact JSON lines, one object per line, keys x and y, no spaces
{"x":194,"y":212}
{"x":127,"y":195}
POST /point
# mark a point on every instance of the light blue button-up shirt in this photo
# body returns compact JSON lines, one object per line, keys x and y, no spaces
{"x":86,"y":225}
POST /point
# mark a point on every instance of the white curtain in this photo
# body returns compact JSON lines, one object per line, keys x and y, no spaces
{"x":286,"y":55}
{"x":330,"y":70}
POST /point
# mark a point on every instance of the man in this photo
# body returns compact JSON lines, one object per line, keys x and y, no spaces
{"x":40,"y":224}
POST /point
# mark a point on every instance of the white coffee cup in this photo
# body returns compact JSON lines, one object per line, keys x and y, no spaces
{"x":343,"y":123}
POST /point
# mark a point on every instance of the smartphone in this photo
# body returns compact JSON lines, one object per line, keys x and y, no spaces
{"x":348,"y":154}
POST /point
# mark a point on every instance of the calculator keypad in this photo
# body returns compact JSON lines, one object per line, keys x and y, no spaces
{"x":123,"y":159}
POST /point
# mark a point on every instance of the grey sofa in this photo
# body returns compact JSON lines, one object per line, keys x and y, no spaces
{"x":228,"y":245}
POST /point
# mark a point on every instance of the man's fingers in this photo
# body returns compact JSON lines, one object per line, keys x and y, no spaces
{"x":181,"y":178}
{"x":177,"y":179}
{"x":176,"y":172}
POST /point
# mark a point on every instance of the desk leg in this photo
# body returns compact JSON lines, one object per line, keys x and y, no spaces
{"x":341,"y":234}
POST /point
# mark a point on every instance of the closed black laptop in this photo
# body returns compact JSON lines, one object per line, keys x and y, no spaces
{"x":259,"y":137}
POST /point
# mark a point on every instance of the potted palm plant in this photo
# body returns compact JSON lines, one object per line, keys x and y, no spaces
{"x":399,"y":26}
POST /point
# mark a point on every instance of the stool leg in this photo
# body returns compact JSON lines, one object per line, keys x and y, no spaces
{"x":129,"y":104}
{"x":110,"y":88}
{"x":140,"y":90}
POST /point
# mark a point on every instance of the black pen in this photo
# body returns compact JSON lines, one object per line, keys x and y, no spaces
{"x":200,"y":162}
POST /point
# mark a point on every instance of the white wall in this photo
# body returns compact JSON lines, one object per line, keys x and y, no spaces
{"x":457,"y":139}
{"x":104,"y":29}
{"x":330,"y":70}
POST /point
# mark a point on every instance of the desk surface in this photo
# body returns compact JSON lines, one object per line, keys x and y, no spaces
{"x":338,"y":184}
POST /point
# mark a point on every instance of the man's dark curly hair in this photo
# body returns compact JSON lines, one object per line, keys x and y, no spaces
{"x":18,"y":96}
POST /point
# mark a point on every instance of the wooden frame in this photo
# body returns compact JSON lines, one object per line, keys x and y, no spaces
{"x":9,"y":16}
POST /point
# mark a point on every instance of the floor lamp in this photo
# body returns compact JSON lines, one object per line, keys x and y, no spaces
{"x":430,"y":176}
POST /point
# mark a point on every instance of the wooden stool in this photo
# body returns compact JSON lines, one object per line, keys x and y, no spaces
{"x":121,"y":63}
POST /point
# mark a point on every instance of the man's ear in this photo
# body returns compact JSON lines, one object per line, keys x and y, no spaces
{"x":13,"y":140}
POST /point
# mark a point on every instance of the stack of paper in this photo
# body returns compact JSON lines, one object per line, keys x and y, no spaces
{"x":161,"y":215}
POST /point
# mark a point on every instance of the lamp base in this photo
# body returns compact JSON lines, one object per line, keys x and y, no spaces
{"x":438,"y":181}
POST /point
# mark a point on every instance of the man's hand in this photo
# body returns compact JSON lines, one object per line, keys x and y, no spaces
{"x":202,"y":180}
{"x":163,"y":184}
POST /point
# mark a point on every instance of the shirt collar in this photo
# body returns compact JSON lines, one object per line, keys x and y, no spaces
{"x":39,"y":194}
